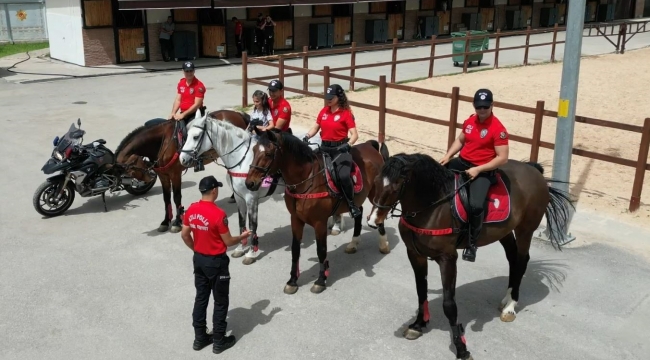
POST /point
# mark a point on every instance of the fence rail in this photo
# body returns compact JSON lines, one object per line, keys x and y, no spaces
{"x":539,"y":111}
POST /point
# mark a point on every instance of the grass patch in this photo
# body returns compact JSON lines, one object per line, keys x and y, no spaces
{"x":11,"y":49}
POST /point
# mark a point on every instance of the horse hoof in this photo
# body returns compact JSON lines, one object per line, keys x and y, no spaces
{"x":175,"y":229}
{"x":335,"y":232}
{"x":248,"y":261}
{"x":385,"y":250}
{"x":411,"y":334}
{"x":469,"y":358}
{"x":350,"y":250}
{"x":163,"y":228}
{"x":508,"y":317}
{"x":237,"y":254}
{"x":317,"y":289}
{"x":290,"y":290}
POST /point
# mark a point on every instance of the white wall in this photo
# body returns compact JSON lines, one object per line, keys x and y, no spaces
{"x":157,"y":16}
{"x":302,"y":11}
{"x":64,"y":28}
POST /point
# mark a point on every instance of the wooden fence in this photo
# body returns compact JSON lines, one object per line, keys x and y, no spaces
{"x":640,"y":164}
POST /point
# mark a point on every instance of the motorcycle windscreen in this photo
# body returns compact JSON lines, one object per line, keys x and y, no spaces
{"x":73,"y":136}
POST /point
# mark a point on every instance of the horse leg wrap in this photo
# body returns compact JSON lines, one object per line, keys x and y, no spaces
{"x":325,"y":268}
{"x":460,"y":342}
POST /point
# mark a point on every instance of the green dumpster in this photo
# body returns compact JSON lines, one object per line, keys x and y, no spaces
{"x":475,"y":44}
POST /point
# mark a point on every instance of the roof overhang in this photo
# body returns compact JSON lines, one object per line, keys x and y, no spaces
{"x":197,"y":4}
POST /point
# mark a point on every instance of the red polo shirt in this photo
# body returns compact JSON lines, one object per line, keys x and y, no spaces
{"x":334,"y":126}
{"x":481,"y":138}
{"x":238,"y":28}
{"x":195,"y":89}
{"x":281,"y":110}
{"x":207,"y":222}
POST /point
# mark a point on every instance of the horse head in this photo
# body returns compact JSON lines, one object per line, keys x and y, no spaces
{"x":196,"y":143}
{"x":390,"y":183}
{"x":265,"y":156}
{"x":137,"y":167}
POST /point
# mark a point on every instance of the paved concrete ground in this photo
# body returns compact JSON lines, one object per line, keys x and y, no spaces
{"x":101,"y":285}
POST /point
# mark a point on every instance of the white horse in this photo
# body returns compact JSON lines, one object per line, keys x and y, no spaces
{"x":235,"y":147}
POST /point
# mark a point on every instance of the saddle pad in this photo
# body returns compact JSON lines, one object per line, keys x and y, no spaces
{"x":357,"y":180}
{"x":498,"y":206}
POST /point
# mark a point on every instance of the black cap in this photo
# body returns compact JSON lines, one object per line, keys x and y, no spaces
{"x":332,"y":91}
{"x":275,"y":85}
{"x":483,"y":97}
{"x":208,"y":183}
{"x":188,"y":65}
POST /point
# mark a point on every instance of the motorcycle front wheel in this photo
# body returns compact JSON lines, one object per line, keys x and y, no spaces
{"x":44,"y":202}
{"x":136,"y":191}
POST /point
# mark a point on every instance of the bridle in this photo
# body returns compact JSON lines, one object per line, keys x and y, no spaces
{"x":194,"y":153}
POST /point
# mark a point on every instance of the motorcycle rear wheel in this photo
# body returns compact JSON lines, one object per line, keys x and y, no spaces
{"x":43,"y":196}
{"x":141,"y":190}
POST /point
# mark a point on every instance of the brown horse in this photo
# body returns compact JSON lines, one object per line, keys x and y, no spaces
{"x":431,"y":229}
{"x":155,"y":147}
{"x":308,"y":197}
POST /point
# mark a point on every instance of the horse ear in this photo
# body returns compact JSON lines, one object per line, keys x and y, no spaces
{"x":272,"y":136}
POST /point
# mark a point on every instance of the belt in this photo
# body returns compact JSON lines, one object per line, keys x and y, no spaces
{"x":222,"y":255}
{"x":334,"y":143}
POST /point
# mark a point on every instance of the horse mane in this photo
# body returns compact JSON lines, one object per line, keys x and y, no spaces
{"x":427,"y":175}
{"x":130,"y":137}
{"x":299,"y":149}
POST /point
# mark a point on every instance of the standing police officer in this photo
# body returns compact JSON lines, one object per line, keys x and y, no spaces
{"x":205,"y":231}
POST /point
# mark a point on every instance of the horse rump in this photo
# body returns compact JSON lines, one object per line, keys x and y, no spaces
{"x":383,"y":149}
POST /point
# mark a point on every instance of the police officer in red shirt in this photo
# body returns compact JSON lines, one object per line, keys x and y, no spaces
{"x":336,"y":122}
{"x":190,"y":94}
{"x":280,"y":108}
{"x":239,"y":31}
{"x":205,"y":231}
{"x":483,"y":146}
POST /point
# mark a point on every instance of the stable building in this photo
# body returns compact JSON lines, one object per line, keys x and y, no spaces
{"x":104,"y":32}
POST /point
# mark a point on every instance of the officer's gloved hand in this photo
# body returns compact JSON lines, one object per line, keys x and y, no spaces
{"x":345,"y":147}
{"x":306,"y":139}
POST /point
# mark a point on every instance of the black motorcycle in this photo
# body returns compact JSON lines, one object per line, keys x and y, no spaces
{"x":88,"y":169}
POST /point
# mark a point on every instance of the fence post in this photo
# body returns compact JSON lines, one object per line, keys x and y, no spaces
{"x":326,"y":82}
{"x":433,"y":54}
{"x":381,"y":136}
{"x":554,"y":41}
{"x":244,"y":78}
{"x":496,"y":51}
{"x":281,"y":69}
{"x":635,"y":200}
{"x":466,"y":51}
{"x":537,"y":131}
{"x":527,"y":42}
{"x":353,"y":62}
{"x":453,"y":116}
{"x":393,"y":66}
{"x":305,"y":65}
{"x":624,"y":35}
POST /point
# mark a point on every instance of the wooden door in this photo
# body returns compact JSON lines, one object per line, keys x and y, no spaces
{"x":561,"y":14}
{"x":526,"y":16}
{"x":283,"y":31}
{"x":395,"y":25}
{"x":132,"y":45}
{"x":487,"y":19}
{"x":590,"y":14}
{"x":342,"y":27}
{"x":443,"y":21}
{"x":214,"y":39}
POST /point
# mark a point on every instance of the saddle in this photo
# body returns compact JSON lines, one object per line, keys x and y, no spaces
{"x":497,"y":202}
{"x":333,"y":181}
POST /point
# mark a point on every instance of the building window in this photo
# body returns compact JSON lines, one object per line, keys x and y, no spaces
{"x":97,"y":13}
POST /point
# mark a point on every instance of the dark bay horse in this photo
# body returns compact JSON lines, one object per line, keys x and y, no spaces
{"x":431,"y":228}
{"x":308,"y":196}
{"x":155,"y":147}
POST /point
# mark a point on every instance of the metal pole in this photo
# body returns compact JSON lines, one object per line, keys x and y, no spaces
{"x":567,"y":106}
{"x":8,"y":19}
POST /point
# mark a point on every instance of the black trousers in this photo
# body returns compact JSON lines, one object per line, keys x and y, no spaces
{"x":166,"y":49}
{"x":269,"y":45}
{"x":478,"y":188}
{"x":239,"y":43}
{"x":343,"y":166}
{"x":211,"y":274}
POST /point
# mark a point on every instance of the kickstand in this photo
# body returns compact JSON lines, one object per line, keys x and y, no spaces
{"x":104,"y":200}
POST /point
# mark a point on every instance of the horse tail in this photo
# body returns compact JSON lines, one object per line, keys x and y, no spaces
{"x":383,"y":149}
{"x":557,"y":211}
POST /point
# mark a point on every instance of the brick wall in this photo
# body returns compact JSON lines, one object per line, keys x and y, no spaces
{"x":99,"y":46}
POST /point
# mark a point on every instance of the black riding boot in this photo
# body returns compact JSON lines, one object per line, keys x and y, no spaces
{"x":348,"y":192}
{"x":222,"y":343}
{"x":475,"y":224}
{"x":201,"y":338}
